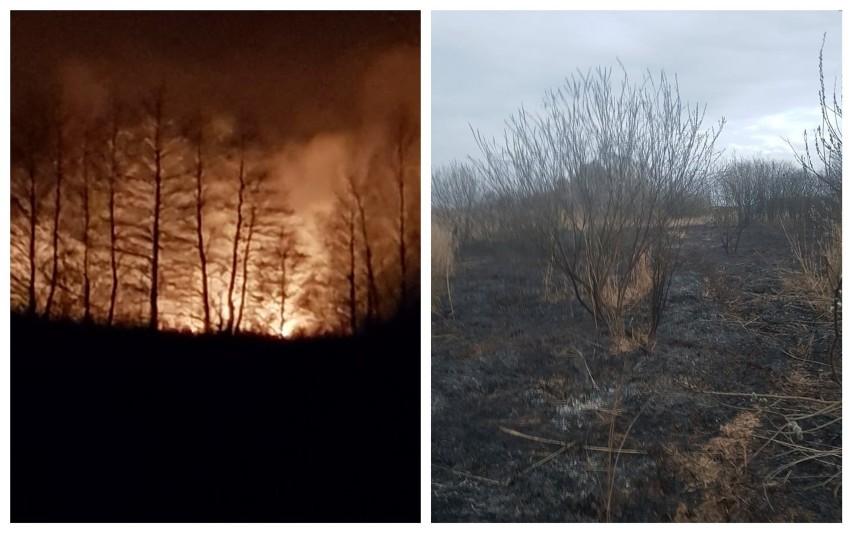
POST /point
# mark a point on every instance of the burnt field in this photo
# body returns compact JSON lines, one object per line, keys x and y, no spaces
{"x":731,"y":415}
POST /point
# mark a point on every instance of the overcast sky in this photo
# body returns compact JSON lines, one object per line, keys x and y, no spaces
{"x":759,"y":70}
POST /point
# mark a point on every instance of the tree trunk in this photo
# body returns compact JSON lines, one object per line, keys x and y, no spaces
{"x":401,"y":189}
{"x":57,"y":207}
{"x":87,"y":292}
{"x":158,"y":183}
{"x":199,"y":204}
{"x":245,"y":268}
{"x":372,"y":293}
{"x":32,"y":171}
{"x":235,"y":248}
{"x":113,"y":176}
{"x":353,"y":304}
{"x":282,"y":282}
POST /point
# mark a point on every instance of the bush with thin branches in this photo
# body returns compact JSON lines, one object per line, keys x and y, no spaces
{"x":455,"y":194}
{"x":597,"y":178}
{"x":808,"y":431}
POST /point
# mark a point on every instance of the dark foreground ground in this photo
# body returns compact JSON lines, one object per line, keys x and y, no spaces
{"x":514,"y":364}
{"x":126,"y":426}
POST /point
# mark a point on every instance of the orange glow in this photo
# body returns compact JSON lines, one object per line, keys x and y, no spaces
{"x":291,"y":327}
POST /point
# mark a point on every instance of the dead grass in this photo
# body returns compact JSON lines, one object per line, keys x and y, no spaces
{"x":719,"y":465}
{"x":612,"y":460}
{"x":626,"y":327}
{"x":805,"y":431}
{"x":444,"y":247}
{"x":555,"y":287}
{"x":814,"y":282}
{"x":637,"y":287}
{"x":818,"y":253}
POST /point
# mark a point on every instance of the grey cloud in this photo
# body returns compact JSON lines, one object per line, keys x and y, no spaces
{"x":745,"y":66}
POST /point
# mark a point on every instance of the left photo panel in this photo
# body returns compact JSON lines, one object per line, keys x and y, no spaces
{"x":215,"y":266}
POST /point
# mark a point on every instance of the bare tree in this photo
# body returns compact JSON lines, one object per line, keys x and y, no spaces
{"x":154,"y":108}
{"x":455,"y":193}
{"x":28,"y":150}
{"x":113,"y":173}
{"x":403,"y":139}
{"x":341,"y":242}
{"x":372,"y":292}
{"x":287,"y":260}
{"x":245,"y":275}
{"x":199,"y":221}
{"x":597,"y":178}
{"x":59,"y":124}
{"x":283,"y":254}
{"x":32,"y":174}
{"x":85,"y":193}
{"x":243,"y":181}
{"x":741,"y":195}
{"x":131,"y":180}
{"x":350,"y":276}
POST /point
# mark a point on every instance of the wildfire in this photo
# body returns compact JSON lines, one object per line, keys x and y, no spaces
{"x":291,"y":327}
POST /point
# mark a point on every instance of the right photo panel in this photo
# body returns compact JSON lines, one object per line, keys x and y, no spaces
{"x":636,"y":266}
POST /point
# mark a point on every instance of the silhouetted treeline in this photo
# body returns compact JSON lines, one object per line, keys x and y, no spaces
{"x":138,"y":213}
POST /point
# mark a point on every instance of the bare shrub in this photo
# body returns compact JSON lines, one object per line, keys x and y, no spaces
{"x":758,"y":188}
{"x":740,"y":196}
{"x":820,"y":257}
{"x":597,"y":179}
{"x":818,"y":252}
{"x":807,"y":430}
{"x":455,"y":193}
{"x":827,"y":140}
{"x":788,"y":192}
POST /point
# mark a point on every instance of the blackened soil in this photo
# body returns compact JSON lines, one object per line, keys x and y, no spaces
{"x":128,"y":426}
{"x":516,"y":361}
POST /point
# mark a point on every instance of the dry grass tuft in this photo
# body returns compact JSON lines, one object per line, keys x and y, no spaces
{"x":818,"y":255}
{"x":640,"y":280}
{"x":720,"y":463}
{"x":713,"y":462}
{"x":444,"y":246}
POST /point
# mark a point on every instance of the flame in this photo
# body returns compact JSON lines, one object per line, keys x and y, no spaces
{"x":291,"y":327}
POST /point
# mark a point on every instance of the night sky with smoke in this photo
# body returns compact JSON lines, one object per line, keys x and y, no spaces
{"x":320,"y":84}
{"x":331,"y":104}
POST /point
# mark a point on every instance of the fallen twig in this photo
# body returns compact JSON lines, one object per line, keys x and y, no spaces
{"x":532,"y":437}
{"x":578,"y":352}
{"x":546,"y":459}
{"x":610,"y":450}
{"x":773,"y":396}
{"x":471,"y":476}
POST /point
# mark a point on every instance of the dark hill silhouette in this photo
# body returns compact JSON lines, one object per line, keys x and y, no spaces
{"x":127,"y":425}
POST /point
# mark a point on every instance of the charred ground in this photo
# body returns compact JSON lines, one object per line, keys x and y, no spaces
{"x":513,"y":364}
